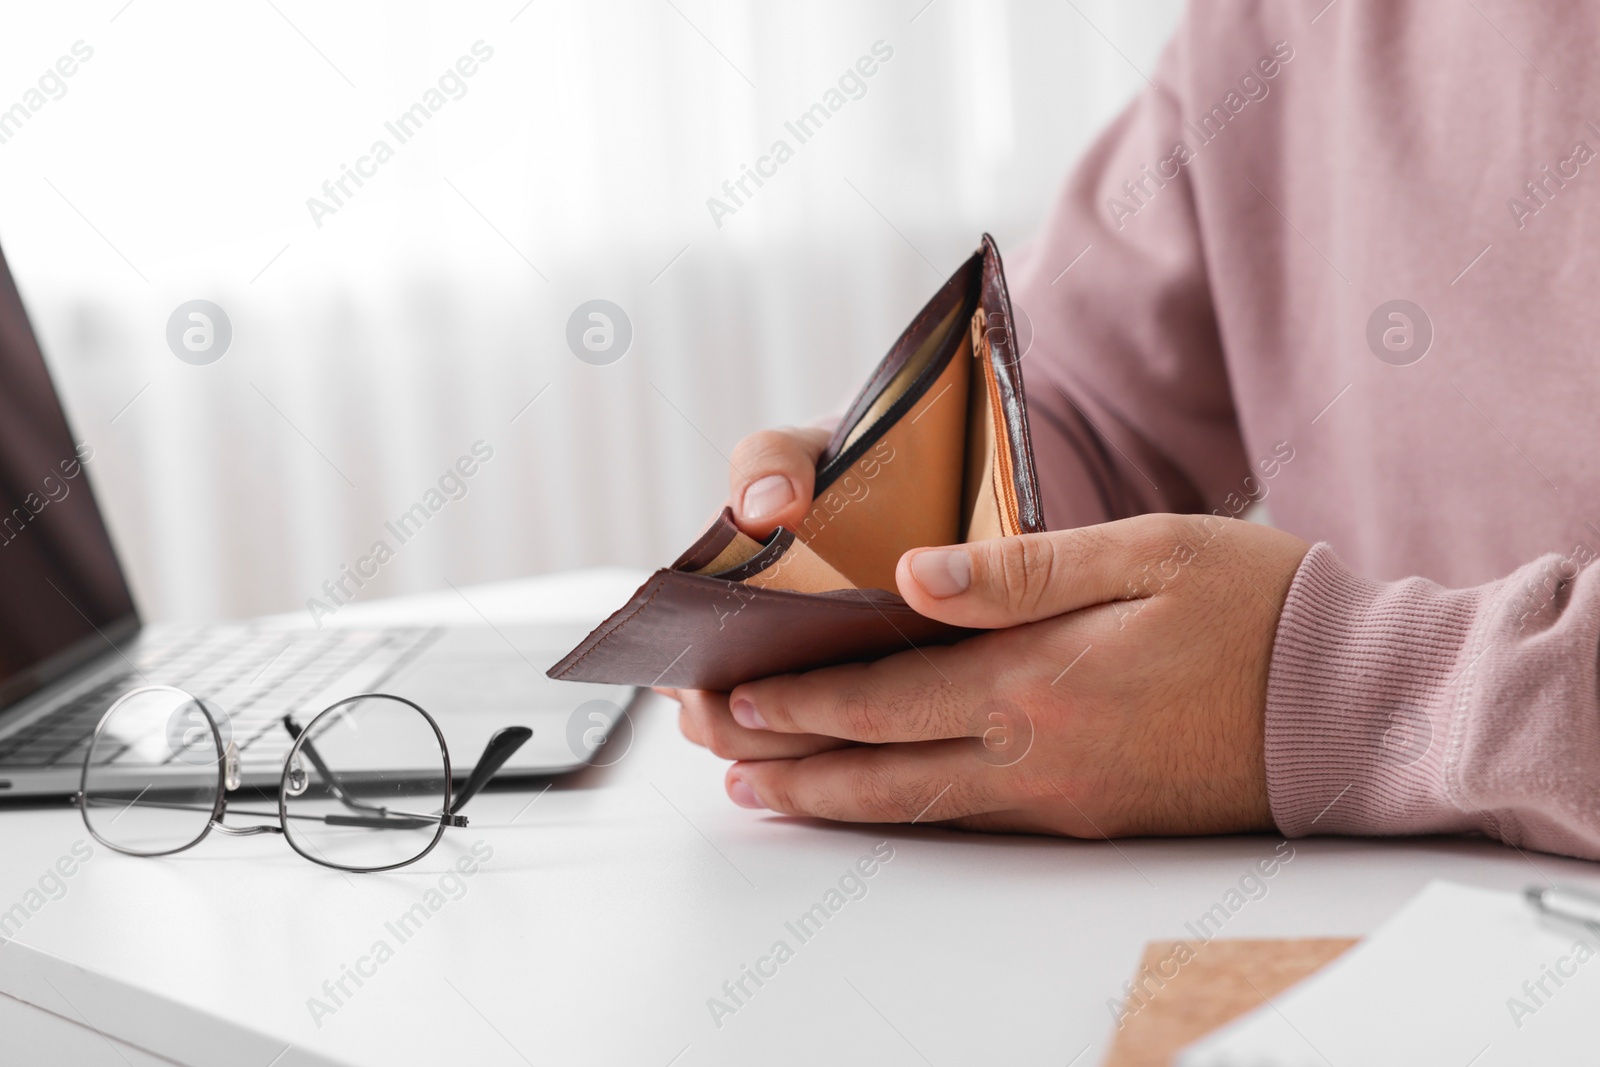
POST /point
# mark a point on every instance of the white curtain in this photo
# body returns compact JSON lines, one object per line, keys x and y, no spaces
{"x":374,"y":344}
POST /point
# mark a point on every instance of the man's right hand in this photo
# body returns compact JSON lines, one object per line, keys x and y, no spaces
{"x":772,"y":477}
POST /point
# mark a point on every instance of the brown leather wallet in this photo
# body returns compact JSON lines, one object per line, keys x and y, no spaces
{"x":934,"y":451}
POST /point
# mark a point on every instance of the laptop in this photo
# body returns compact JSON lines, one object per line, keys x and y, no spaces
{"x":72,"y":641}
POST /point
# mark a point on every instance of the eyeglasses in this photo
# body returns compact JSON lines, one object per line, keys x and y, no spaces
{"x":366,"y":785}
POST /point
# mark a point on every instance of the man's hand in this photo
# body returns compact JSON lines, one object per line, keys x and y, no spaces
{"x":1123,"y":691}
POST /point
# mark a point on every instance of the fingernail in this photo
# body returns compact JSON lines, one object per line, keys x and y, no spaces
{"x":942,"y":572}
{"x":743,"y":795}
{"x":766,"y":495}
{"x":746,"y":715}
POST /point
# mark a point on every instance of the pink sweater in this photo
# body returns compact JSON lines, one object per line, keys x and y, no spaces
{"x":1212,"y":320}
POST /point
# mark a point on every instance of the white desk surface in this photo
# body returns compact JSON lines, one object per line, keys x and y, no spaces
{"x":619,"y":901}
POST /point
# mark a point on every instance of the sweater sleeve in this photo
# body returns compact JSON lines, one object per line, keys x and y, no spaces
{"x":1404,"y":707}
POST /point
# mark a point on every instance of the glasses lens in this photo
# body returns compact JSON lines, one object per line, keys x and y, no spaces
{"x":364,"y":787}
{"x":151,"y":778}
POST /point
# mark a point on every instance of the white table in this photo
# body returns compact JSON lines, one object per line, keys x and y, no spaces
{"x":619,"y":901}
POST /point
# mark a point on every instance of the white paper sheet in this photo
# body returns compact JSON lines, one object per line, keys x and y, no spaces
{"x":1460,"y":976}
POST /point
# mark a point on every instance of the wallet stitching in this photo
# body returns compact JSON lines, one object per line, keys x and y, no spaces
{"x":609,"y":634}
{"x":922,"y":317}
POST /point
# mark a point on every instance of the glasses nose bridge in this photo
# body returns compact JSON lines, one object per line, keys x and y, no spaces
{"x":221,"y":827}
{"x":245,"y":831}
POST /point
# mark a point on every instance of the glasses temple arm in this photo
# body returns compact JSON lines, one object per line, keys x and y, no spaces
{"x":394,"y":820}
{"x":501,"y":747}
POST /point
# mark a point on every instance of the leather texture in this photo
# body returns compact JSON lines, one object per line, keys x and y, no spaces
{"x":683,"y":629}
{"x":693,"y":631}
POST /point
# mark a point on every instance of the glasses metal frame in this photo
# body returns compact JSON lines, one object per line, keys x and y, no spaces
{"x":499,"y":749}
{"x":217,"y":808}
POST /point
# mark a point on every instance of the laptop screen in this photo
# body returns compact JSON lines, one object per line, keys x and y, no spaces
{"x":63,"y":598}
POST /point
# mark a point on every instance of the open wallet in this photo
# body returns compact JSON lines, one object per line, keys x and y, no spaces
{"x":934,"y":451}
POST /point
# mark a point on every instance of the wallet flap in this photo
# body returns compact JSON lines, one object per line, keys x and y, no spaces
{"x":977,"y":296}
{"x":691,"y":631}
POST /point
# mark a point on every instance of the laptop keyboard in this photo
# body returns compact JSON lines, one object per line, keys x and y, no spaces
{"x":254,"y":677}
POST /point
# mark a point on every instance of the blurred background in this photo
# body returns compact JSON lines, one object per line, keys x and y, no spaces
{"x":377,"y":338}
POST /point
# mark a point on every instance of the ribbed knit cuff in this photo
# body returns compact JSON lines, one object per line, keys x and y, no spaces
{"x":1359,"y":702}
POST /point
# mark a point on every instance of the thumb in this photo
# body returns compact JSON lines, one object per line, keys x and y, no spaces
{"x":771,"y":477}
{"x":1013,"y":580}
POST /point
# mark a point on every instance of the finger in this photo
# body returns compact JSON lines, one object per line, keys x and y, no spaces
{"x":670,"y":694}
{"x":704,"y":719}
{"x":771,"y":478}
{"x":1013,"y":580}
{"x":916,"y":695}
{"x":926,"y":782}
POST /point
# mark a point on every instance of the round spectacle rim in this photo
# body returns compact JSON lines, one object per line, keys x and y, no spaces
{"x":304,"y":741}
{"x":219,"y":803}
